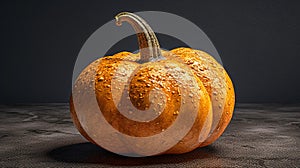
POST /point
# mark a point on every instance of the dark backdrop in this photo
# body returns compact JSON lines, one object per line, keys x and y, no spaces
{"x":258,"y":42}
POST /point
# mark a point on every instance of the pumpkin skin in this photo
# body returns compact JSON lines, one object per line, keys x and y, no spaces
{"x":207,"y":69}
{"x":206,"y":88}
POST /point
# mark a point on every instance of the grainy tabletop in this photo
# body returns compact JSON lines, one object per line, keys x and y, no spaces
{"x":44,"y":136}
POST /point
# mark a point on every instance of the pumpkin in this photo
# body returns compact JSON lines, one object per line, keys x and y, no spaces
{"x":155,"y":101}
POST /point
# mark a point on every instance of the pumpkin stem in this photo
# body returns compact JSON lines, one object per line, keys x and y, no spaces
{"x":148,"y":43}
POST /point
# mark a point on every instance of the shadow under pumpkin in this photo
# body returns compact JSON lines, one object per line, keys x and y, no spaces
{"x":90,"y":153}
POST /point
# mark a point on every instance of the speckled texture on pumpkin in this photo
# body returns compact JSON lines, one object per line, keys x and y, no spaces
{"x":217,"y":83}
{"x":148,"y":76}
{"x":213,"y":82}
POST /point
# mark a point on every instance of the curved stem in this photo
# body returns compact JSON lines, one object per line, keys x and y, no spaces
{"x":148,"y":43}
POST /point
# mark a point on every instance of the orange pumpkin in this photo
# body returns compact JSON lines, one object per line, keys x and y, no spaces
{"x":179,"y":99}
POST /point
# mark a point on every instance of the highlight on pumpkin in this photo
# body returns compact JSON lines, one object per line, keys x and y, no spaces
{"x":153,"y":102}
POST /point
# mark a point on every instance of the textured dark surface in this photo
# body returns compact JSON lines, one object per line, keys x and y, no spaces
{"x":44,"y":136}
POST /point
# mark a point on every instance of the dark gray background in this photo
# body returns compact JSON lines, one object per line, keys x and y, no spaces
{"x":258,"y":42}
